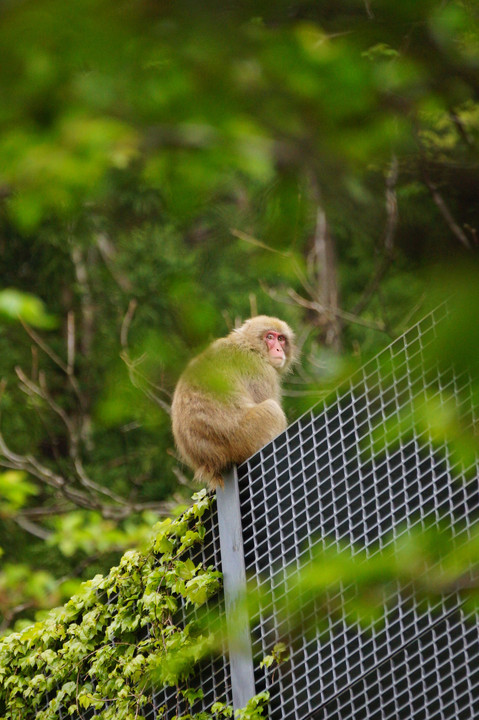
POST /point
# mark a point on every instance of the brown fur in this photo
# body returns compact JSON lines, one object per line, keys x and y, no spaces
{"x":227,"y":403}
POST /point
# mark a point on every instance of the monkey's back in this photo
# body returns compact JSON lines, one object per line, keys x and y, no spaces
{"x":212,"y":396}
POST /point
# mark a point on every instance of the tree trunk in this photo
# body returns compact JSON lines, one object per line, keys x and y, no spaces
{"x":324,"y":253}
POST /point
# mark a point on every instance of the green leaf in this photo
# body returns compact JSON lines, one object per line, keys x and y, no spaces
{"x":17,"y":305}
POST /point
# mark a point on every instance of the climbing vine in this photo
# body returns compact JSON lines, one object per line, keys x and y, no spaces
{"x":108,"y":648}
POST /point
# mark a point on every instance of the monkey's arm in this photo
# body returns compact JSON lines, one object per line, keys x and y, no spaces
{"x":257,"y":427}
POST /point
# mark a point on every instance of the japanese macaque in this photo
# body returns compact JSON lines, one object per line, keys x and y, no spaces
{"x":227,"y":403}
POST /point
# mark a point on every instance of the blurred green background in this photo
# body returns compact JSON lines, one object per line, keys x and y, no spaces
{"x":168,"y":169}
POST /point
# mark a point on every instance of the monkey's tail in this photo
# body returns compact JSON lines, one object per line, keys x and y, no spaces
{"x":210,"y":477}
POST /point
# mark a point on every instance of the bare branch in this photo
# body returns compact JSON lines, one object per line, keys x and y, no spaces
{"x":78,"y":489}
{"x":304,"y":281}
{"x":445,"y":212}
{"x":40,"y":512}
{"x":323,"y":265}
{"x":462,"y":129}
{"x":125,"y":326}
{"x":87,"y":307}
{"x":95,"y":487}
{"x":438,"y":200}
{"x":253,"y":304}
{"x":66,"y":368}
{"x":343,"y":314}
{"x":246,"y":237}
{"x":391,"y":206}
{"x":41,"y":391}
{"x":70,"y":342}
{"x":32,"y":528}
{"x":108,"y":254}
{"x":367,"y":6}
{"x":90,"y":501}
{"x":33,"y":467}
{"x":317,"y":307}
{"x":182,"y":479}
{"x":388,"y":242}
{"x":138,"y":379}
{"x":43,"y":346}
{"x":11,"y":613}
{"x":34,"y":372}
{"x":415,"y":308}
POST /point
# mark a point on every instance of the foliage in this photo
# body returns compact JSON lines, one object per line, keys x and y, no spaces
{"x":424,"y":563}
{"x":88,"y":654}
{"x":123,"y":635}
{"x":169,"y":168}
{"x":15,"y":305}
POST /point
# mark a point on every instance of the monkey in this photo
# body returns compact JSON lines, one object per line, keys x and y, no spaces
{"x":227,"y":402}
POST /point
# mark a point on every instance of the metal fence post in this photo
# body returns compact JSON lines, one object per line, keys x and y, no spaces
{"x":234,"y":583}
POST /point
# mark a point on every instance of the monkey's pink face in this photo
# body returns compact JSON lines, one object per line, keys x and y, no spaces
{"x":276,"y":344}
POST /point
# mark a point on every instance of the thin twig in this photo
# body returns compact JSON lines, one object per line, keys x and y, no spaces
{"x":445,"y":212}
{"x":321,"y":309}
{"x":32,"y":528}
{"x":369,"y":12}
{"x":246,"y":237}
{"x":39,"y":512}
{"x":138,"y":379}
{"x":437,"y":197}
{"x":43,"y":346}
{"x":92,"y":485}
{"x":108,"y":254}
{"x":56,"y":359}
{"x":70,"y":342}
{"x":29,"y":464}
{"x":461,"y":129}
{"x":324,"y":272}
{"x":136,"y":376}
{"x":302,"y":278}
{"x":350,"y":317}
{"x":125,"y":326}
{"x":40,"y":390}
{"x":182,"y":479}
{"x":388,"y":242}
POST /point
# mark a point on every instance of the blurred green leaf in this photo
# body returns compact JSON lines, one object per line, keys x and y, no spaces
{"x":15,"y":490}
{"x":17,"y":305}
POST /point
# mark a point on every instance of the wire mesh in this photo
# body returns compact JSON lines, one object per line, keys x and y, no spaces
{"x":213,"y":676}
{"x":319,"y":484}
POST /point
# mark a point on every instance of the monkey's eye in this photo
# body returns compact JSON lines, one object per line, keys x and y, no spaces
{"x":270,"y":336}
{"x":281,"y":338}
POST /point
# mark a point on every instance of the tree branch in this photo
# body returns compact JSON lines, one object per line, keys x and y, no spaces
{"x":33,"y":467}
{"x":388,"y":242}
{"x":323,"y":268}
{"x":88,"y":494}
{"x":138,"y":379}
{"x":349,"y":317}
{"x":108,"y":253}
{"x":440,"y":203}
{"x":31,"y":527}
{"x":66,"y":368}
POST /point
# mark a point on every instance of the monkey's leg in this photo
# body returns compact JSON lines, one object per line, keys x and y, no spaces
{"x":258,"y":426}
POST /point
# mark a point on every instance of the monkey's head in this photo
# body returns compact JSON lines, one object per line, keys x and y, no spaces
{"x":272,"y":338}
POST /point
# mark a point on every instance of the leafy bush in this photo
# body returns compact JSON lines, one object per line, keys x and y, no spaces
{"x":88,"y":654}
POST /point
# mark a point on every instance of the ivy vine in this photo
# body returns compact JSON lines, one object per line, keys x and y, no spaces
{"x":86,"y":658}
